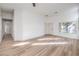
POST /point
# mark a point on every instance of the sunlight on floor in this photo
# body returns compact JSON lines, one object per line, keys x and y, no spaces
{"x":20,"y":44}
{"x":49,"y":39}
{"x":50,"y":43}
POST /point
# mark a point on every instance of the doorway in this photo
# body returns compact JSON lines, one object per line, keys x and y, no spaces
{"x":49,"y":28}
{"x":7,"y":29}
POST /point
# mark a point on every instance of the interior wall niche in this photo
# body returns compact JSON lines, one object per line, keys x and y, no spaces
{"x":67,"y":27}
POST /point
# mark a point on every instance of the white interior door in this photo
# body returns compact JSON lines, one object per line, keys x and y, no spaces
{"x":48,"y":28}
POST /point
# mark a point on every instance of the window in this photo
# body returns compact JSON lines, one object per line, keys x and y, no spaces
{"x":67,"y":27}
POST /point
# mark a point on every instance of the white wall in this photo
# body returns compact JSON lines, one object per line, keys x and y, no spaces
{"x":17,"y":25}
{"x":27,"y":25}
{"x":67,"y":16}
{"x":33,"y":25}
{"x":0,"y":27}
{"x":78,"y":22}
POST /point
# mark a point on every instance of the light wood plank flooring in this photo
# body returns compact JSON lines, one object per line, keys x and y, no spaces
{"x":44,"y":46}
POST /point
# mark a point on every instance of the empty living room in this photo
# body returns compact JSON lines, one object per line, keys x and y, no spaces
{"x":39,"y":29}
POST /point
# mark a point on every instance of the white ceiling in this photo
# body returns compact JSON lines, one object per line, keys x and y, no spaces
{"x":41,"y":8}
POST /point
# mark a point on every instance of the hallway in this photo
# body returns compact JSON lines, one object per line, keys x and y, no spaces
{"x":7,"y":37}
{"x":44,"y":46}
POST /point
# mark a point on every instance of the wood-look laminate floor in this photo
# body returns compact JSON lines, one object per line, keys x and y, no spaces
{"x":44,"y":46}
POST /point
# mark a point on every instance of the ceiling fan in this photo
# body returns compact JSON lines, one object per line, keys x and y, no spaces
{"x":34,"y":4}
